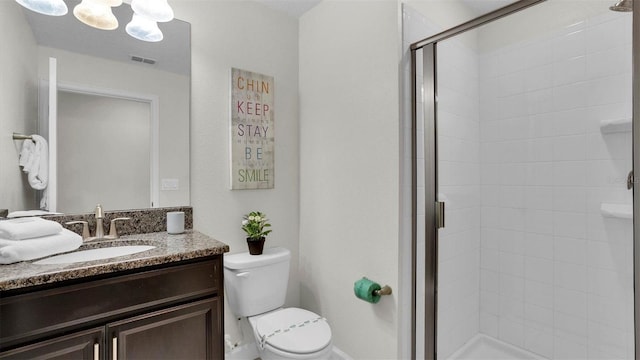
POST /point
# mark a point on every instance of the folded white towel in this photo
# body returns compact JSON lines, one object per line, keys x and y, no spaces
{"x":12,"y":251}
{"x":28,"y":228}
{"x":27,"y":213}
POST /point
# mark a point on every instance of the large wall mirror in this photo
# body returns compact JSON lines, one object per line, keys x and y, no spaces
{"x":122,"y":111}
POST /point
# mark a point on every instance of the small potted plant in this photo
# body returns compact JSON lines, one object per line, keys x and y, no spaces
{"x":256,"y":225}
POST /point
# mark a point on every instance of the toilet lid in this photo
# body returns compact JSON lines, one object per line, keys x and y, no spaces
{"x":294,"y":330}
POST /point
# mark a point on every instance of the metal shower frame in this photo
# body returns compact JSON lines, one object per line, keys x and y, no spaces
{"x":429,"y":48}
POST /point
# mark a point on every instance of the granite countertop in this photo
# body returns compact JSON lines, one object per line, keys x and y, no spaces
{"x":169,"y":248}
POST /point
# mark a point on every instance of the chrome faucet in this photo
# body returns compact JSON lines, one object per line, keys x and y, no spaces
{"x":99,"y":233}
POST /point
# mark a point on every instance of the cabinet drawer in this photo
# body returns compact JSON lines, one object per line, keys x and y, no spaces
{"x":81,"y":345}
{"x":30,"y":316}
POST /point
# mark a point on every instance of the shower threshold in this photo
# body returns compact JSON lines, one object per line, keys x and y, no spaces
{"x":483,"y":347}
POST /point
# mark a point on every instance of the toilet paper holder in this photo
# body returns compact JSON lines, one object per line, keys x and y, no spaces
{"x":370,"y":291}
{"x":385,"y":290}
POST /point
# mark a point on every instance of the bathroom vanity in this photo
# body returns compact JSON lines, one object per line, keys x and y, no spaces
{"x":163,"y":303}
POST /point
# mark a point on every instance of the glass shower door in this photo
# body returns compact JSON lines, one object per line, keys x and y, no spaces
{"x":534,"y":144}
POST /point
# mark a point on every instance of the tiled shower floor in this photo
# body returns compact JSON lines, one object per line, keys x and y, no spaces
{"x":483,"y":347}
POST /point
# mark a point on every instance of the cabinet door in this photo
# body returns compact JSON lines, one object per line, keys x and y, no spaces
{"x":191,"y":331}
{"x":83,"y":345}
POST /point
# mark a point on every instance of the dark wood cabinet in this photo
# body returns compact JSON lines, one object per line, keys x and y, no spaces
{"x":169,"y":312}
{"x":182,"y":332}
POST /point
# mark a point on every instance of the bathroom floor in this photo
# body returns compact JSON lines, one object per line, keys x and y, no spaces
{"x":248,"y":352}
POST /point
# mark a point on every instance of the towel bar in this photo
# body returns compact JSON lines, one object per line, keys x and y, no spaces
{"x":17,"y":136}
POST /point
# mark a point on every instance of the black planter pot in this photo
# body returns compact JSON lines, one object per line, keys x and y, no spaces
{"x":255,"y":246}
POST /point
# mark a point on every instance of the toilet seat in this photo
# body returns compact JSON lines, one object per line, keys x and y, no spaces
{"x":293,"y":330}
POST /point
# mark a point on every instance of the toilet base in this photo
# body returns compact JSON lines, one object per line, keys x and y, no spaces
{"x":271,"y":353}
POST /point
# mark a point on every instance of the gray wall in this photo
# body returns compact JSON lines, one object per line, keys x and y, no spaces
{"x":349,"y":173}
{"x":18,"y":105}
{"x":249,"y":36}
{"x":114,"y":160}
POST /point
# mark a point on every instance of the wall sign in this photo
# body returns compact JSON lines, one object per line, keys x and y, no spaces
{"x":252,"y":130}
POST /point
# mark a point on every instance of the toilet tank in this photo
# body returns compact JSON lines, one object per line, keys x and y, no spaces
{"x":256,"y":284}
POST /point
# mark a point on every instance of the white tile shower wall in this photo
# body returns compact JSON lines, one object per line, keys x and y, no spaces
{"x":556,"y":276}
{"x":459,"y":183}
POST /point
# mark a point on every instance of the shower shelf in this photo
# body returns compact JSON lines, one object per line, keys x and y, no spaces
{"x":618,"y":211}
{"x":615,"y":125}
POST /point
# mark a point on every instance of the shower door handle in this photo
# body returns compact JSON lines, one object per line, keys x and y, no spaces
{"x":630,"y":180}
{"x":439,"y":214}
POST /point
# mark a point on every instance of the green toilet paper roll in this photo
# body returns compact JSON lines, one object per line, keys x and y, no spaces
{"x":364,"y":289}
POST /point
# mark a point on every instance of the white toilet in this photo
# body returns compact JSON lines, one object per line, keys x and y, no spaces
{"x":256,"y":286}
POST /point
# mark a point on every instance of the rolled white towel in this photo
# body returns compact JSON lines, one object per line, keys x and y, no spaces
{"x":38,"y":172}
{"x":26,"y":155}
{"x":28,"y":228}
{"x":12,"y":251}
{"x":34,"y":159}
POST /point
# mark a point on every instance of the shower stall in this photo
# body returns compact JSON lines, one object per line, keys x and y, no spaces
{"x":522,"y":184}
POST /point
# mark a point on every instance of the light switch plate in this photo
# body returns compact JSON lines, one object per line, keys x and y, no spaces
{"x":170,"y":184}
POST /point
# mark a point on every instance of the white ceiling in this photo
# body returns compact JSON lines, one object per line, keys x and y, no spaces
{"x":481,"y":7}
{"x":296,"y":8}
{"x":69,"y":34}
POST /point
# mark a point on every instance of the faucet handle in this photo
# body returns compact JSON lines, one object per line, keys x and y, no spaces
{"x":85,"y":228}
{"x":113,"y":231}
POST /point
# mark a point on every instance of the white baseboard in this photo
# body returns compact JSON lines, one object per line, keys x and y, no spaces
{"x":244,"y":352}
{"x":340,"y":355}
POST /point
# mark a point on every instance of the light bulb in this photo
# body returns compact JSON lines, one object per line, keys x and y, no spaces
{"x":45,"y":7}
{"x":145,"y":29}
{"x":156,"y":10}
{"x":97,"y":13}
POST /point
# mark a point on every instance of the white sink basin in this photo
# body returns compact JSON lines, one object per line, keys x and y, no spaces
{"x":94,"y":254}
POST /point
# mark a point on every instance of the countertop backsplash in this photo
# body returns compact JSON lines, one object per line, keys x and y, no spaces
{"x":142,"y":220}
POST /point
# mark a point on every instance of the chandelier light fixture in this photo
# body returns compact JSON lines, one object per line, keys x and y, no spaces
{"x":145,"y":29}
{"x":146,"y":15}
{"x":45,"y":7}
{"x":98,"y":14}
{"x":156,"y":10}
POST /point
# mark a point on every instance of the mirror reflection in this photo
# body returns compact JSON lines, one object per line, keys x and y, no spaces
{"x":102,"y":151}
